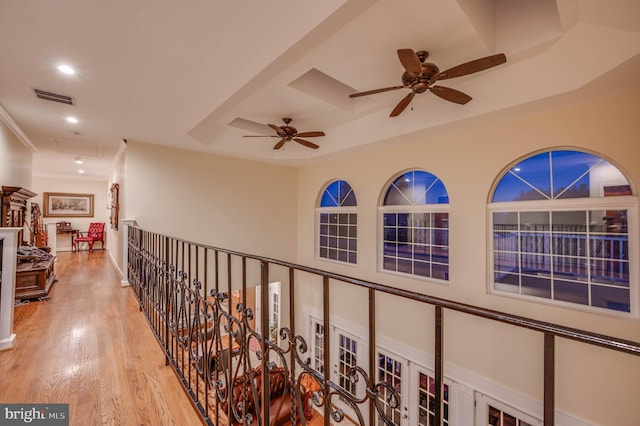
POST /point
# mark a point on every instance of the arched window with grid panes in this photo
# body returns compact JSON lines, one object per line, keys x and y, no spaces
{"x":415,"y":226}
{"x":337,"y":220}
{"x":562,"y":231}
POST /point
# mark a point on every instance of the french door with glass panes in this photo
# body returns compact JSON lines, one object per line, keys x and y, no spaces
{"x":274,"y":310}
{"x":394,"y":371}
{"x":424,"y":402}
{"x":347,"y":351}
{"x":490,"y":412}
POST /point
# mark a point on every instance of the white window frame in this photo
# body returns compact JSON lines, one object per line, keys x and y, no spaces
{"x":628,"y":203}
{"x":334,"y":210}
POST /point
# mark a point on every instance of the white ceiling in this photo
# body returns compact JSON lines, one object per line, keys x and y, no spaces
{"x":201,"y":74}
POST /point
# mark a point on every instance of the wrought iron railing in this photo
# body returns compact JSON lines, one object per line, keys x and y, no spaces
{"x":195,"y":299}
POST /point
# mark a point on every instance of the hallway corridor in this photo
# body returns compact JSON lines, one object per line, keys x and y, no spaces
{"x":91,"y":347}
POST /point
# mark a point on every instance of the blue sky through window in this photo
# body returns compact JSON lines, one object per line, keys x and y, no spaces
{"x":565,"y":172}
{"x":338,"y":194}
{"x":415,"y":188}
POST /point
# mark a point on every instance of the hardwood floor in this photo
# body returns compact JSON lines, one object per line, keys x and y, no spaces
{"x":91,"y":347}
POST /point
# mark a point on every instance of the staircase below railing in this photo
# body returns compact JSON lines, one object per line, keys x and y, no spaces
{"x":195,"y":299}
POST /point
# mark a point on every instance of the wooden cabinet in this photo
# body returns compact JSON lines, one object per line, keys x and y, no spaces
{"x":14,"y":207}
{"x":34,"y":279}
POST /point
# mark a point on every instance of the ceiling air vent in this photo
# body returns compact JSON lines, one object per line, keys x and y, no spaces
{"x":48,"y":96}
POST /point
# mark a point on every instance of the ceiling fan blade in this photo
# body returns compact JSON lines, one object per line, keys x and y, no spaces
{"x":260,"y":136}
{"x":306,"y":143}
{"x":279,"y":144}
{"x":471,"y":67}
{"x":451,"y":95}
{"x":373,"y":92}
{"x":410,"y":61}
{"x":310,"y":134}
{"x":278,"y":130}
{"x":402,"y":105}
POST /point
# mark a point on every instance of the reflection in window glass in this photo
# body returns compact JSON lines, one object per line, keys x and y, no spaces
{"x":427,"y":401}
{"x":318,"y":347}
{"x":337,"y":236}
{"x":348,"y":358}
{"x":566,"y":257}
{"x":416,"y":242}
{"x":389,"y":372}
{"x":575,"y":255}
{"x":501,"y":418}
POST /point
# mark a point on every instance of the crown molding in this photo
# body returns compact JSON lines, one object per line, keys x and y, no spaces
{"x":6,"y":118}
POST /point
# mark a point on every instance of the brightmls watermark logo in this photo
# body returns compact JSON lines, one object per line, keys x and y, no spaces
{"x":36,"y":414}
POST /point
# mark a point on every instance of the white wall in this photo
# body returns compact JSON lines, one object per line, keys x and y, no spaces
{"x":79,"y":185}
{"x":15,"y":160}
{"x":225,"y":202}
{"x":115,"y":236}
{"x":468,"y":156}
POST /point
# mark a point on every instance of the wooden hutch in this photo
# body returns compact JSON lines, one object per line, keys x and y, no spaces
{"x":33,"y":279}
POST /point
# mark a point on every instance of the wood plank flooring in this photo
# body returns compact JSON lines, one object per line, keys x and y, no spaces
{"x":91,"y":347}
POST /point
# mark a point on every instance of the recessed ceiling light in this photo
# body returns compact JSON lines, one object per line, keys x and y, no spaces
{"x":66,"y":69}
{"x":71,"y":119}
{"x":81,"y":171}
{"x":79,"y":160}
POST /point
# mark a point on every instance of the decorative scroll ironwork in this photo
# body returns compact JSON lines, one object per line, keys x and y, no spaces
{"x":210,"y":344}
{"x":221,"y":358}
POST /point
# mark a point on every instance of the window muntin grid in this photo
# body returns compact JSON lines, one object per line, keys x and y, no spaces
{"x":318,"y":347}
{"x":427,"y":400}
{"x":556,"y":175}
{"x":338,"y":236}
{"x":568,"y":251}
{"x":570,"y":256}
{"x":498,"y":417}
{"x":390,"y":372}
{"x":338,"y":223}
{"x":348,"y":349}
{"x":415,"y":226}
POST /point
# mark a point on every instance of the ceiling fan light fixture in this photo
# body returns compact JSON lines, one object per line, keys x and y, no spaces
{"x":420,"y":76}
{"x":287,"y":133}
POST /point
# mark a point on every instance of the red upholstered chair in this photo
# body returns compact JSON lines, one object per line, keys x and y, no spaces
{"x":95,"y":233}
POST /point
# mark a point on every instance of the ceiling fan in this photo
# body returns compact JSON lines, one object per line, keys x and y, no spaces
{"x":420,"y":76}
{"x":288,"y":133}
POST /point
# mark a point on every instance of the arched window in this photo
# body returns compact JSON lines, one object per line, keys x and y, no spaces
{"x":560,"y":231}
{"x":338,"y":223}
{"x":415,"y":226}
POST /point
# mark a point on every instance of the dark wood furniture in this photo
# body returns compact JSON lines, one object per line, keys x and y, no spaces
{"x":64,"y":227}
{"x":34,"y":279}
{"x":14,"y":208}
{"x":280,"y":402}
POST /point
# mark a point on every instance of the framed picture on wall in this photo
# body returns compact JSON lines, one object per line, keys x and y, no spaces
{"x":61,"y":204}
{"x":115,"y":205}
